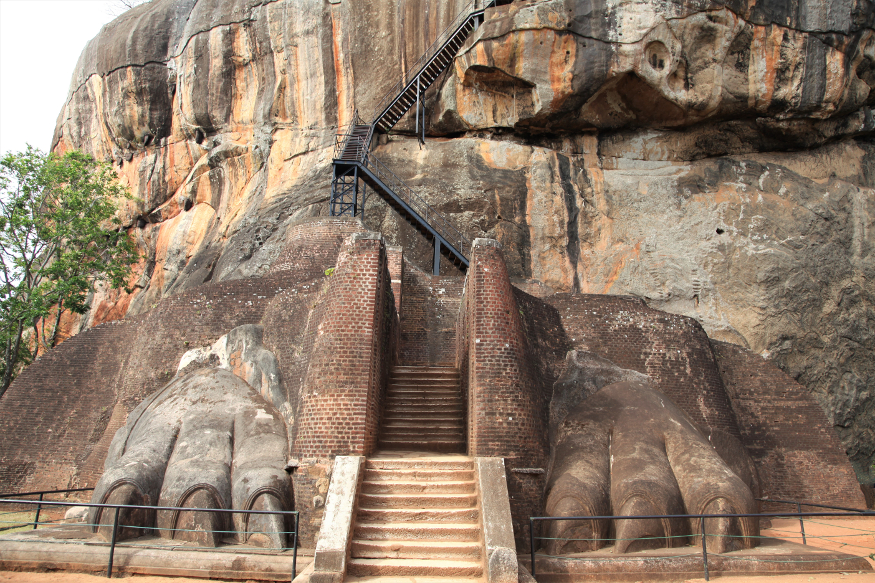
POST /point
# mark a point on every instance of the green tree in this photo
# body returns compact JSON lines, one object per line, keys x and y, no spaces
{"x":59,"y":238}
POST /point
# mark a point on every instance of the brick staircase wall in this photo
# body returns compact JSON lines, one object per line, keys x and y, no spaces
{"x":506,"y":402}
{"x":430,"y":309}
{"x":352,"y":356}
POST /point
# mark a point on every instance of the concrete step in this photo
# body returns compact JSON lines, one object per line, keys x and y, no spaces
{"x":420,"y":463}
{"x":414,"y":568}
{"x":414,"y":474}
{"x":411,"y":549}
{"x":417,"y":416}
{"x":418,"y":501}
{"x":422,"y":531}
{"x":397,"y":487}
{"x":454,"y":515}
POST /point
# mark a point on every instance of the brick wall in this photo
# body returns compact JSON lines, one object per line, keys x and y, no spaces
{"x":506,"y":404}
{"x":430,"y":309}
{"x":797,"y":453}
{"x":673,"y":350}
{"x":350,"y":358}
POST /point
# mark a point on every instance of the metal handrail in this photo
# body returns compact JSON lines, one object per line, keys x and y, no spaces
{"x":118,"y":507}
{"x":46,"y":492}
{"x":434,"y":218}
{"x":417,"y":67}
{"x":39,"y":505}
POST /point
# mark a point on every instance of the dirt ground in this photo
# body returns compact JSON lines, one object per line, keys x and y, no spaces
{"x":852,"y":536}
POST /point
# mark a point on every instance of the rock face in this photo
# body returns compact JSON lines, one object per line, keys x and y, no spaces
{"x":714,"y":158}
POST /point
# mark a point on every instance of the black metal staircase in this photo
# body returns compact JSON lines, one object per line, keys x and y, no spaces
{"x":353,"y":160}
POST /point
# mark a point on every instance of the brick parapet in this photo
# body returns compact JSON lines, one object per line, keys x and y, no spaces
{"x":348,"y":368}
{"x":798,"y":455}
{"x":506,"y":404}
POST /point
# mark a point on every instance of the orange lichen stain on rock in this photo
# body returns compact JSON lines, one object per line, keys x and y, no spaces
{"x":765,"y":55}
{"x":836,"y":80}
{"x":340,"y":74}
{"x":561,"y":67}
{"x":618,"y":264}
{"x":504,"y":155}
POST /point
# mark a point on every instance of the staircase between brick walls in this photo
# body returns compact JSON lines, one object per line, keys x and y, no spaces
{"x":418,"y":517}
{"x":423,"y":410}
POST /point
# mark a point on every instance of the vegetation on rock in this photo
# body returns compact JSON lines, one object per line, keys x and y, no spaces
{"x":59,"y":239}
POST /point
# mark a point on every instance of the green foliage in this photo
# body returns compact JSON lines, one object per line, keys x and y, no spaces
{"x":329,"y":272}
{"x":59,"y":238}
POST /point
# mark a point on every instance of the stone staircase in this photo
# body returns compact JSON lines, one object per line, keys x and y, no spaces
{"x":423,"y":410}
{"x":417,"y":517}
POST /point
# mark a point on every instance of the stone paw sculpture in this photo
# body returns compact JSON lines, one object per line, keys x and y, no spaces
{"x":208,"y":439}
{"x":624,"y":450}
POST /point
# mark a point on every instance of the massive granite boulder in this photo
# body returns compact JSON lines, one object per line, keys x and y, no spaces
{"x":713,"y":157}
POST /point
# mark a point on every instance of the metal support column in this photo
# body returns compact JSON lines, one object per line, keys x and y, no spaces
{"x":436,"y":269}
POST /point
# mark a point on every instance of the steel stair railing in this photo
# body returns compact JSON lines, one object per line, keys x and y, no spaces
{"x":422,"y":73}
{"x":353,"y":160}
{"x":434,"y":218}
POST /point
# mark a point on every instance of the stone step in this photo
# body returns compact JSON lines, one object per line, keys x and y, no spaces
{"x":423,"y":375}
{"x":433,"y":531}
{"x":418,"y":501}
{"x":417,"y":380}
{"x":413,"y":474}
{"x":405,"y":423}
{"x":422,"y":433}
{"x":424,"y":463}
{"x":455,"y":515}
{"x":428,"y":401}
{"x":399,"y":487}
{"x":419,"y":419}
{"x":412,"y":549}
{"x":420,"y":392}
{"x":414,"y":568}
{"x":446,"y":409}
{"x":435,"y":445}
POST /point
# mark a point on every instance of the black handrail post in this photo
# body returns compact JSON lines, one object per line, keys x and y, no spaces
{"x":39,"y":507}
{"x":532,"y":543}
{"x":112,"y":544}
{"x":295,"y":546}
{"x":801,"y":523}
{"x":704,"y":549}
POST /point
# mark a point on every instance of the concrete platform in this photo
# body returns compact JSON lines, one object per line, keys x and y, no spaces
{"x":73,"y":548}
{"x":772,"y":557}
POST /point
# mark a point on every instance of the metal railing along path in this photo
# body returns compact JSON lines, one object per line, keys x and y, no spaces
{"x":700,"y":517}
{"x":119,"y":507}
{"x":39,"y":505}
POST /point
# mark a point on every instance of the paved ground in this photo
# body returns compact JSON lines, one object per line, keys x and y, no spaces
{"x":852,"y":536}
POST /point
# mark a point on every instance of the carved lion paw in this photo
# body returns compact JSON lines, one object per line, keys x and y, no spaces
{"x":627,"y":450}
{"x":206,"y":440}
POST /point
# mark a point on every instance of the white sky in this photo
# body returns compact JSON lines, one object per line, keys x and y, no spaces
{"x":40,"y":42}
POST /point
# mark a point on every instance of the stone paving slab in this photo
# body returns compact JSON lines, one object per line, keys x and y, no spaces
{"x":73,"y":548}
{"x":772,"y":557}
